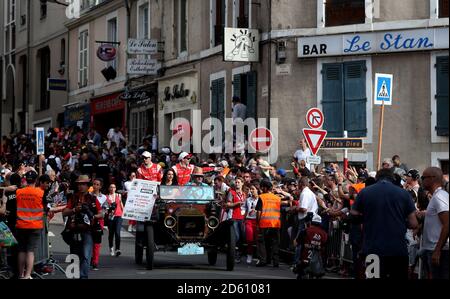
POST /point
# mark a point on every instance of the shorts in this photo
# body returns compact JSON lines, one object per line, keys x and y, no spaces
{"x":28,"y":239}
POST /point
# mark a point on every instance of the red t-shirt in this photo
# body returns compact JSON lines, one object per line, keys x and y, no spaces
{"x":119,"y":210}
{"x":314,"y":239}
{"x":152,"y":173}
{"x":234,"y":197}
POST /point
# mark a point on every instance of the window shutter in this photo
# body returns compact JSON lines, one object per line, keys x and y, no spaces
{"x":214,"y":95}
{"x":237,"y":86}
{"x":221,"y":101}
{"x":442,"y":96}
{"x":332,"y":102}
{"x":355,"y":98}
{"x":251,"y":94}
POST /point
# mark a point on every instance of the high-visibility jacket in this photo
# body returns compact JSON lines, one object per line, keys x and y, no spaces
{"x":153,"y":173}
{"x":183,"y":173}
{"x":270,"y":215}
{"x":30,"y":208}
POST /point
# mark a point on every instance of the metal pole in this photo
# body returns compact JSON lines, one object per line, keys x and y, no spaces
{"x":380,"y":137}
{"x":345,"y":155}
{"x":127,"y":76}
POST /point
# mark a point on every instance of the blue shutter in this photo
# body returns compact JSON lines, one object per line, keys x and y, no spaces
{"x":214,"y":97}
{"x":237,"y":86}
{"x":442,"y":95}
{"x":251,"y":94}
{"x":332,"y":102}
{"x":355,"y":98}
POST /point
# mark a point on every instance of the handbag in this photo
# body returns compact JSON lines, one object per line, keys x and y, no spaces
{"x":7,"y":238}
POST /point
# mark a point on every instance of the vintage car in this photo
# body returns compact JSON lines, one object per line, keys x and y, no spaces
{"x":187,"y":219}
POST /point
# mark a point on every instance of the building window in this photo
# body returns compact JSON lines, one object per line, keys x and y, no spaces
{"x":144,"y":21}
{"x":443,"y":9}
{"x":62,"y":63}
{"x":242,"y":13}
{"x":142,"y":125}
{"x":442,"y":95}
{"x":344,"y":98}
{"x":344,"y":12}
{"x":245,"y":87}
{"x":43,"y":10}
{"x":45,"y":74}
{"x":218,"y":21}
{"x":182,"y":26}
{"x":218,"y":105}
{"x":23,"y":12}
{"x":83,"y":64}
{"x":112,"y":37}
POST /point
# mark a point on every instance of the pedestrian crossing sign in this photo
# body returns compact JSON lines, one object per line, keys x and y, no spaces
{"x":383,"y":91}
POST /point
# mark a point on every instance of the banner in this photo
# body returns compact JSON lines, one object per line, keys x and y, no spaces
{"x":140,"y":200}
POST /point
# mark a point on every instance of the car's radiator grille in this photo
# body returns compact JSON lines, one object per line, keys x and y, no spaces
{"x":191,"y":226}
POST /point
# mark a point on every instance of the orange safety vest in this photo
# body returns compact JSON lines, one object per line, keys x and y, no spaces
{"x":30,"y":208}
{"x":270,"y":216}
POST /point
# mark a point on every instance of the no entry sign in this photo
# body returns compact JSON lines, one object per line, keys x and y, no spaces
{"x":261,"y":140}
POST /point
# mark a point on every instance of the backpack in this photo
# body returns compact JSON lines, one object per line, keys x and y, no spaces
{"x":52,"y":163}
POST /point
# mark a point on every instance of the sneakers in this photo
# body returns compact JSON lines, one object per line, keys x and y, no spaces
{"x":118,"y":253}
{"x":249,"y":259}
{"x":134,"y":228}
{"x":130,"y":228}
{"x":94,"y":267}
{"x":260,"y":264}
{"x":237,"y":260}
{"x":113,"y":253}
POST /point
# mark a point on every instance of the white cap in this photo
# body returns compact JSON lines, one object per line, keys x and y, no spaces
{"x":91,"y":141}
{"x":317,"y":219}
{"x":373,"y":174}
{"x":224,"y":163}
{"x":146,"y":154}
{"x":182,"y":156}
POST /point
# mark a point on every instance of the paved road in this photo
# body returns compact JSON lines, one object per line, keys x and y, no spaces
{"x":168,"y":265}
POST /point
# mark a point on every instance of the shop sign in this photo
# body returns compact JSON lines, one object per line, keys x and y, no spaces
{"x":107,"y":104}
{"x":374,"y":42}
{"x":142,"y":46}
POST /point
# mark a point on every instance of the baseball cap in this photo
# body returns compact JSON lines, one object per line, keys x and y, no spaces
{"x":281,"y":172}
{"x":317,"y":219}
{"x":146,"y":154}
{"x":183,"y":155}
{"x":413,"y":173}
{"x":31,"y":176}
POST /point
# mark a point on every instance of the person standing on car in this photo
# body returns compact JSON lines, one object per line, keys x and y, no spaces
{"x":30,"y":222}
{"x":183,"y":169}
{"x":115,"y":214}
{"x":149,"y":171}
{"x":83,"y":210}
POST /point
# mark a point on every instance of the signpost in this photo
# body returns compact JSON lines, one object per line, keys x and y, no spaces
{"x":343,"y":144}
{"x":142,"y":46}
{"x":314,"y":137}
{"x":40,"y":146}
{"x":382,"y":96}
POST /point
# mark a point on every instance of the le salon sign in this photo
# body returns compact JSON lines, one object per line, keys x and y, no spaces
{"x":374,"y":42}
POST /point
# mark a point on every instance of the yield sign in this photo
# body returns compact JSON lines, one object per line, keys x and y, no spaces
{"x":314,"y":138}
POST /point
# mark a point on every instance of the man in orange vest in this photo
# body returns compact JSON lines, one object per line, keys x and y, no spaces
{"x":269,"y":224}
{"x":30,"y":222}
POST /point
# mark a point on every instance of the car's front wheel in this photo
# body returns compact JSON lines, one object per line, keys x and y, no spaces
{"x":231,"y":249}
{"x":212,"y":256}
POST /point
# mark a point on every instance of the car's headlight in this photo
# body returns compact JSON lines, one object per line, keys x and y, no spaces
{"x":170,"y":222}
{"x":213,"y":222}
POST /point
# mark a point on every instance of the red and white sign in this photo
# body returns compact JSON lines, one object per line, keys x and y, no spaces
{"x":261,"y":140}
{"x":315,"y":118}
{"x":106,"y":52}
{"x":107,"y":104}
{"x":314,"y":138}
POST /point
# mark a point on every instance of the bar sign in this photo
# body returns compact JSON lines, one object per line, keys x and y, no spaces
{"x":56,"y":84}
